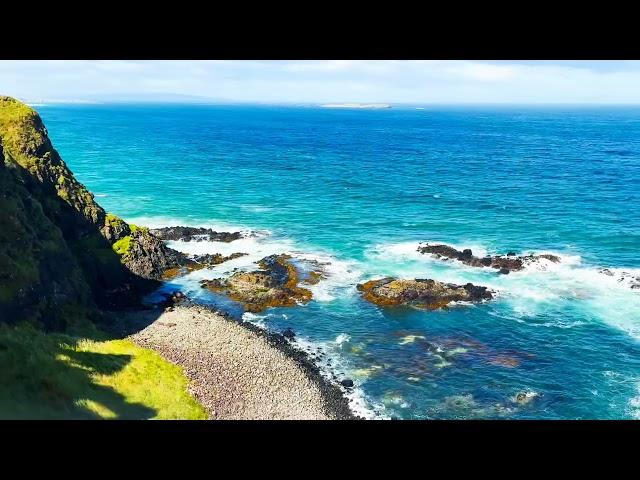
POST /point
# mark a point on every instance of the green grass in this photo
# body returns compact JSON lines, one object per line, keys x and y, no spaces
{"x":59,"y":376}
{"x":123,"y":246}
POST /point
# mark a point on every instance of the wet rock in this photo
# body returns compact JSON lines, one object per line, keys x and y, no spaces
{"x":197,"y":234}
{"x":276,"y":285}
{"x":424,"y":293}
{"x":172,"y":299}
{"x":524,"y":398}
{"x":510,"y":262}
{"x":504,"y":271}
{"x":289,"y":334}
{"x":347,"y":383}
{"x":198,"y":262}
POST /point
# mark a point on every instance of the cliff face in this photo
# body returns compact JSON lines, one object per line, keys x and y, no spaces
{"x":59,"y":250}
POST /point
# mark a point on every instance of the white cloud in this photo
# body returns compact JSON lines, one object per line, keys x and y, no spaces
{"x":326,"y":81}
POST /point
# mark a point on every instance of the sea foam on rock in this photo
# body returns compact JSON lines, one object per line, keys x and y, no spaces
{"x":504,"y":264}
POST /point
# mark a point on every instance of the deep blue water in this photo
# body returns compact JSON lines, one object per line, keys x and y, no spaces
{"x":360,"y":189}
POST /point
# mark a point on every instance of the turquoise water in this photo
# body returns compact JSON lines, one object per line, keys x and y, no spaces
{"x":360,"y":189}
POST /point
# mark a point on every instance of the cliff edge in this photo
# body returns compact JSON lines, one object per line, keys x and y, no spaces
{"x":60,"y":252}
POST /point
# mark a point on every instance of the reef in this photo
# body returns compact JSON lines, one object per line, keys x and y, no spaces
{"x":503,"y":263}
{"x":275,"y":285}
{"x":422,"y":293}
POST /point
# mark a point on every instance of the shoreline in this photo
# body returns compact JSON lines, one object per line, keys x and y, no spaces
{"x":224,"y":378}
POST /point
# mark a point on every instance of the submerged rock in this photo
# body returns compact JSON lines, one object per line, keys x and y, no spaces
{"x":504,"y":264}
{"x":197,"y":234}
{"x":425,"y":293}
{"x":276,"y":285}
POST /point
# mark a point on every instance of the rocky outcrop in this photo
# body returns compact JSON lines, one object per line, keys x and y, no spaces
{"x":198,"y":262}
{"x":195,"y":234}
{"x":423,"y":293}
{"x":504,"y":264}
{"x":276,"y":285}
{"x":60,"y":253}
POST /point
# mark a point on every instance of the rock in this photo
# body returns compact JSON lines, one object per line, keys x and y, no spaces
{"x":147,"y":256}
{"x":215,"y":258}
{"x":504,"y":271}
{"x":276,"y":285}
{"x":197,"y":262}
{"x":524,"y":398}
{"x":347,"y":383}
{"x":197,"y":234}
{"x":510,"y":262}
{"x":289,"y":334}
{"x":424,"y":293}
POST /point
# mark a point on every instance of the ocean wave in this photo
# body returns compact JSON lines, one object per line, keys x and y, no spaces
{"x":340,"y":276}
{"x":604,"y":295}
{"x":256,"y":208}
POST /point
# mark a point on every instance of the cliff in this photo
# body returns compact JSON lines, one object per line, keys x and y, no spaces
{"x":60,"y":252}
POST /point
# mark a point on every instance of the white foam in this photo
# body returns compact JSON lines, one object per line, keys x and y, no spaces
{"x":358,"y":402}
{"x":540,"y":286}
{"x":256,"y":208}
{"x":634,"y":405}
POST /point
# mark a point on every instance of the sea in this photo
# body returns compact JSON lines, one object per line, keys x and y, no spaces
{"x":359,"y":190}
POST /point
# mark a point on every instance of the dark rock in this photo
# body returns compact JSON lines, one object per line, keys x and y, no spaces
{"x":289,"y":334}
{"x":197,"y":234}
{"x":509,"y":262}
{"x":347,"y":383}
{"x":504,"y":271}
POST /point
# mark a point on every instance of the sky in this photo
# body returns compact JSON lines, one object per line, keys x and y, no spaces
{"x":325,"y":81}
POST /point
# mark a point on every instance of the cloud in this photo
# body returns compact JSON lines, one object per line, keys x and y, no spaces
{"x":299,"y":81}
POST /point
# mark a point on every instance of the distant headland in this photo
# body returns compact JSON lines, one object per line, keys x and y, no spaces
{"x":356,"y":105}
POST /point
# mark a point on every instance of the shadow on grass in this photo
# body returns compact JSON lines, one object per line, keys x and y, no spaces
{"x":44,"y":374}
{"x":49,"y":376}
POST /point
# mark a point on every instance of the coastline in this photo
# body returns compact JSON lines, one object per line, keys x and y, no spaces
{"x":236,"y":369}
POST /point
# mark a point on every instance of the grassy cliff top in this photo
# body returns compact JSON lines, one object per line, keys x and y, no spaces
{"x":21,"y":128}
{"x":26,"y":143}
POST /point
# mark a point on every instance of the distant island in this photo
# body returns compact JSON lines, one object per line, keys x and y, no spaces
{"x":356,"y":105}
